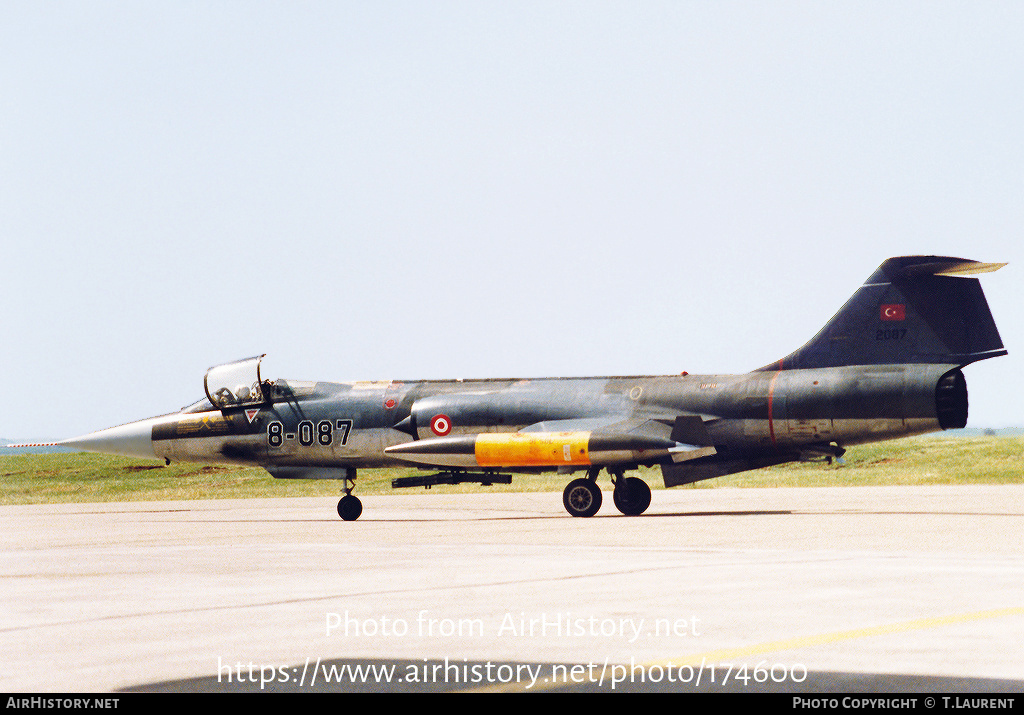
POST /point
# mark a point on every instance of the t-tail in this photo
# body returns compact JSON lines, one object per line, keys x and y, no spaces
{"x":912,"y":310}
{"x":887,"y":365}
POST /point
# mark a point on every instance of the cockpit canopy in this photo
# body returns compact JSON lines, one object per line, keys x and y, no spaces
{"x":235,"y":384}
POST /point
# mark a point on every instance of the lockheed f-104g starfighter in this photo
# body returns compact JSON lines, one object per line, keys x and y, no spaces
{"x":887,"y":365}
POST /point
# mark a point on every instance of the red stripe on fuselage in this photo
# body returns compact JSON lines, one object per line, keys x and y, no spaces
{"x":771,"y":398}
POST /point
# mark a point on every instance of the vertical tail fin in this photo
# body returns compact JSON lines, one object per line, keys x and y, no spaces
{"x":913,"y":309}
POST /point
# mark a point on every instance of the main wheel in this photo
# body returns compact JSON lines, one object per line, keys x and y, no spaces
{"x":632,"y":497}
{"x":349,"y":508}
{"x":582,"y":497}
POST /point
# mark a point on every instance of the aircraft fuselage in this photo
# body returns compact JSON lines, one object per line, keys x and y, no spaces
{"x":340,"y":425}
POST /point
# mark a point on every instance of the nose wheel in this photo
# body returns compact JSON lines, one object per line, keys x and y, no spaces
{"x":350,"y":508}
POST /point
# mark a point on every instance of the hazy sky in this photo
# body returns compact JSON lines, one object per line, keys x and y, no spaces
{"x":375,"y":190}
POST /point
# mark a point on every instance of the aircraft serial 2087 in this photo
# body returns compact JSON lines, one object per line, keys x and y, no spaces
{"x":887,"y":365}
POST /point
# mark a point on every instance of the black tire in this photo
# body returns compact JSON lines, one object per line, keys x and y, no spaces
{"x":349,"y":508}
{"x":632,"y":497}
{"x":582,"y":497}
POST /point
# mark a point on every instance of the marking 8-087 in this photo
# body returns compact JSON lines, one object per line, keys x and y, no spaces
{"x":321,"y":433}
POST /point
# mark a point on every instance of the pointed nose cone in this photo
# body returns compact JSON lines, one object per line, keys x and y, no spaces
{"x":131,"y":440}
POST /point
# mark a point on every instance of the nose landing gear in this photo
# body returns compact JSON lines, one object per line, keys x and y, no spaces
{"x":350,"y":508}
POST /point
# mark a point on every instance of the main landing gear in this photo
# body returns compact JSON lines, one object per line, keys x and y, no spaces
{"x":349,"y":508}
{"x":582,"y":497}
{"x":632,"y":496}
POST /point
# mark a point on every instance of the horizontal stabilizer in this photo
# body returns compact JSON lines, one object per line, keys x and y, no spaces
{"x":945,"y":267}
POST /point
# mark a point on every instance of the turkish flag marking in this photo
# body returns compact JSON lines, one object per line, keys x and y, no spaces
{"x":893,"y":312}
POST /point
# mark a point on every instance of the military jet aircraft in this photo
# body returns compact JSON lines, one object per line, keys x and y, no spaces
{"x":887,"y":365}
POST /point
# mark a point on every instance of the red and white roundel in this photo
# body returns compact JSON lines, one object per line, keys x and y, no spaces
{"x":441,"y":425}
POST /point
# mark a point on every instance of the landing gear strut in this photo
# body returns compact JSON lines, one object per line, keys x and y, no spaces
{"x":349,"y":508}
